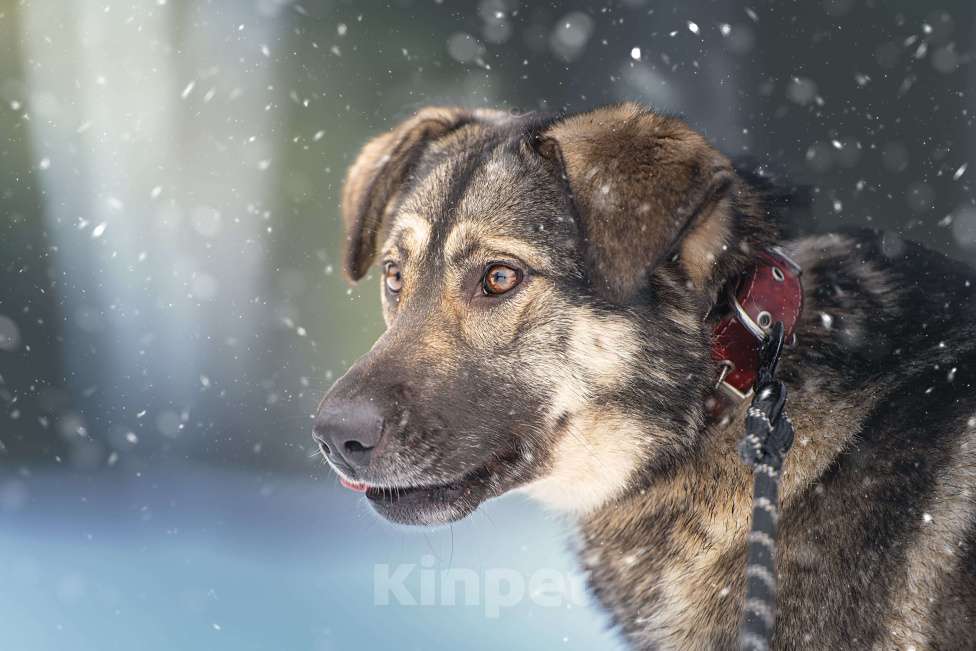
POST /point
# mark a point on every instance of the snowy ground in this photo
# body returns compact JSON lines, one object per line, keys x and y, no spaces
{"x":204,"y":559}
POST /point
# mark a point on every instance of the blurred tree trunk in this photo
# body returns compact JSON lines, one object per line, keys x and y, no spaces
{"x":31,"y":347}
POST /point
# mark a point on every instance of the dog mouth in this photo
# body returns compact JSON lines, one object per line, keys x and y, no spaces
{"x":429,"y":504}
{"x":355,"y":486}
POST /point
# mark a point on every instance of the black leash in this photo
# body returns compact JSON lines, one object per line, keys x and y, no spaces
{"x":769,"y":435}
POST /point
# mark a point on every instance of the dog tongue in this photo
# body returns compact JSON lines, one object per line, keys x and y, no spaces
{"x":357,"y":486}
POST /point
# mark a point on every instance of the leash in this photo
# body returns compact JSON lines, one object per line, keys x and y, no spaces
{"x":769,"y":435}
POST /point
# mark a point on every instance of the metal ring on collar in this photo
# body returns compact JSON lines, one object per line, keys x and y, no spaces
{"x":740,"y":313}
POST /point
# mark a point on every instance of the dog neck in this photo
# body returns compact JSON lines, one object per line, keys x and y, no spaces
{"x":672,"y":545}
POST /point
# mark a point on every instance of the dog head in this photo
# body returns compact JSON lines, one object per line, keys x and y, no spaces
{"x":545,"y":283}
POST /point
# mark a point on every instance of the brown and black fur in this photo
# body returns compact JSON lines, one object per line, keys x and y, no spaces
{"x":586,"y":386}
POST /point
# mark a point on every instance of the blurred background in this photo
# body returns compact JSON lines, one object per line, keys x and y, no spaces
{"x":171,"y":307}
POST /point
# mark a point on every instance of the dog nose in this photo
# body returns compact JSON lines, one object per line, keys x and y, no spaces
{"x":348,"y":432}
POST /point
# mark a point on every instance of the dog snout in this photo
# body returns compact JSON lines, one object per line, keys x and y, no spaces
{"x":349,"y":433}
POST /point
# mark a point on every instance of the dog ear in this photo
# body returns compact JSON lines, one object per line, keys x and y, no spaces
{"x":646,"y":189}
{"x":378,"y":176}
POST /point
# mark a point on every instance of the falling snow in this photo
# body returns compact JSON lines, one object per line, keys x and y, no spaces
{"x":172,"y":296}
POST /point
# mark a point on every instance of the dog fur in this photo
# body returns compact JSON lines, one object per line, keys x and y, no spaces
{"x":586,"y":385}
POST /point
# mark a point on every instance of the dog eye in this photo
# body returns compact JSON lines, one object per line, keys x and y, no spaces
{"x":499,"y":279}
{"x":392,"y":277}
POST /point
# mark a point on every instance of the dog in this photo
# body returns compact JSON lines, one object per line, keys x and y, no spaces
{"x":551,"y":286}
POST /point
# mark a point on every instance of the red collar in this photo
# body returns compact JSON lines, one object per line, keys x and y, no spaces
{"x":771,"y":292}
